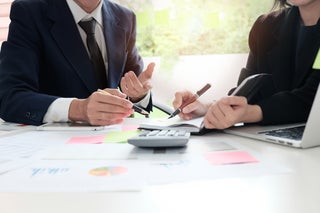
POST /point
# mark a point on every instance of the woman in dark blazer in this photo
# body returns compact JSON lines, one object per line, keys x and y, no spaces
{"x":284,"y":43}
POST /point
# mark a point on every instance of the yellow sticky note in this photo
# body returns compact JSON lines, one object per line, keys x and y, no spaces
{"x":316,"y":63}
{"x":120,"y":137}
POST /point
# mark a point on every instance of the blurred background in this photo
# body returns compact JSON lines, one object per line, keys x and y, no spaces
{"x":192,"y":42}
{"x":195,"y":42}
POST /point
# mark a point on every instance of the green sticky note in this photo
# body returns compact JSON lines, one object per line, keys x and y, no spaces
{"x":120,"y":136}
{"x":316,"y":64}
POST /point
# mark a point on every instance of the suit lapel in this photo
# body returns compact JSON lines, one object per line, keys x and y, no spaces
{"x":66,"y":34}
{"x":115,"y":41}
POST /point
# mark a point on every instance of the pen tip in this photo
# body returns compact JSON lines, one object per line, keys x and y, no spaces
{"x":145,"y":113}
{"x":176,"y":112}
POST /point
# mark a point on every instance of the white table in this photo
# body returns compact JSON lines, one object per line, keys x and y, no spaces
{"x":293,"y":192}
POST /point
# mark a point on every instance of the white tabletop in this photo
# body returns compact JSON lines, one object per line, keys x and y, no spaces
{"x":295,"y":191}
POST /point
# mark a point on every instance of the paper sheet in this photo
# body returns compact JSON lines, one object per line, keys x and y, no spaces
{"x":58,"y":166}
{"x":75,"y":176}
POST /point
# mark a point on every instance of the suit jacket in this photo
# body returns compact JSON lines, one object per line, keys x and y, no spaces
{"x":44,"y":57}
{"x":272,"y":42}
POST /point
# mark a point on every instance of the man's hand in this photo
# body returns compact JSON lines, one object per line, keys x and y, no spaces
{"x":101,"y":108}
{"x":137,"y":87}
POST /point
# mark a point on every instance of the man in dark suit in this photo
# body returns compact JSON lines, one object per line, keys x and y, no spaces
{"x":284,"y":43}
{"x":47,"y":70}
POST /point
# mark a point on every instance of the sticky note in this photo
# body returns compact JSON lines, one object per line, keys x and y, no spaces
{"x":120,"y":137}
{"x":130,"y":127}
{"x":86,"y":140}
{"x":316,"y":63}
{"x":236,"y":157}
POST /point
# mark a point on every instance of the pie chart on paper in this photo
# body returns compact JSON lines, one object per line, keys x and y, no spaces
{"x":108,"y":171}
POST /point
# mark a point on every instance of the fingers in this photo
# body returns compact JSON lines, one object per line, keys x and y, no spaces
{"x":217,"y":116}
{"x":226,"y":112}
{"x":137,"y":87}
{"x":192,"y":110}
{"x":180,"y":97}
{"x":234,"y":100}
{"x":110,"y":102}
{"x":115,"y":92}
{"x":145,"y":77}
{"x":106,"y":108}
{"x":131,"y":85}
{"x":149,"y":71}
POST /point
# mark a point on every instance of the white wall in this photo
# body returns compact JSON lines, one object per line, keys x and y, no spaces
{"x":193,"y":72}
{"x":4,"y":19}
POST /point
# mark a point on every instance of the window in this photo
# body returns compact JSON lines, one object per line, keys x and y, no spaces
{"x":195,"y":42}
{"x":4,"y":19}
{"x":193,"y":27}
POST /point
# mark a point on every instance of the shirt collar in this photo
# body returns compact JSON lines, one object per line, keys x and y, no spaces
{"x":79,"y":14}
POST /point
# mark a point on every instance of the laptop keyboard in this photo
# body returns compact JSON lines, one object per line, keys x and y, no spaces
{"x":294,"y":133}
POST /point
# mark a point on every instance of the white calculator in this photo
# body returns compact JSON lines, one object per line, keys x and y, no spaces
{"x":160,"y":138}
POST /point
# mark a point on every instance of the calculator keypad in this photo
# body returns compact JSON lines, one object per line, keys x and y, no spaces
{"x":160,"y":138}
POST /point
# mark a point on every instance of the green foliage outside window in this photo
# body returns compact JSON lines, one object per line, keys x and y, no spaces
{"x":170,"y":28}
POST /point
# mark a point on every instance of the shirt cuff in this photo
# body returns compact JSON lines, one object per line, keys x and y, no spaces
{"x":145,"y":101}
{"x":58,"y":111}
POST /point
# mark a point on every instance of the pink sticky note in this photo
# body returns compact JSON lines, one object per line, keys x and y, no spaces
{"x":129,"y":127}
{"x":221,"y":158}
{"x":86,"y":140}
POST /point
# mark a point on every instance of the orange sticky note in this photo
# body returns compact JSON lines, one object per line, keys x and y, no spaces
{"x":86,"y":140}
{"x":222,"y":158}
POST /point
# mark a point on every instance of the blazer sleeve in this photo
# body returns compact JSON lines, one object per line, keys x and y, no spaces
{"x":19,"y":71}
{"x":291,"y":106}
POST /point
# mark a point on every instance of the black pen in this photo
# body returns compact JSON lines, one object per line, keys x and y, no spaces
{"x":134,"y":107}
{"x":140,"y":110}
{"x":190,"y":100}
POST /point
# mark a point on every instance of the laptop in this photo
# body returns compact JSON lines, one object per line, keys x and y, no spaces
{"x":301,"y":135}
